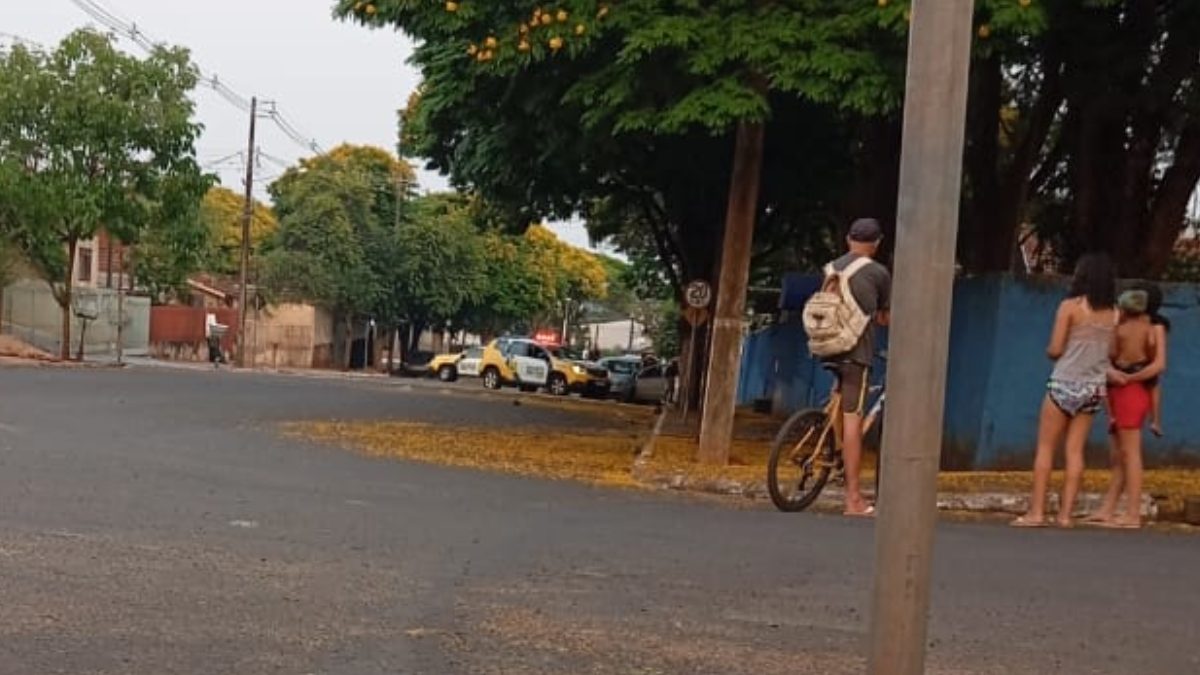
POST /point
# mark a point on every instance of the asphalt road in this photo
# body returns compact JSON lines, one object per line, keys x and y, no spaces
{"x":158,"y":522}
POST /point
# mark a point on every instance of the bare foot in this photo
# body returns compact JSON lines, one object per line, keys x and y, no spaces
{"x":1065,"y":523}
{"x":1098,"y":518}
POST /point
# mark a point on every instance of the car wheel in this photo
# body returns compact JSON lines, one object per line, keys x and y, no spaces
{"x":558,"y":385}
{"x":447,"y":374}
{"x":491,"y":379}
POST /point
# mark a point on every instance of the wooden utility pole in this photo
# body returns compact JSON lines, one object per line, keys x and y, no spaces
{"x":935,"y":104}
{"x":720,"y":396}
{"x":247,"y":215}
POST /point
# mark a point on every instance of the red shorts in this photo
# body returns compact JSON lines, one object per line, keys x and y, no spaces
{"x":1130,"y":404}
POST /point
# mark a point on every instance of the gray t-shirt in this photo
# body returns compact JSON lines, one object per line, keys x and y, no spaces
{"x":872,"y":290}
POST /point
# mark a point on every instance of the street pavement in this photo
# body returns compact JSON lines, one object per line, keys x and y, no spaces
{"x":161,"y":521}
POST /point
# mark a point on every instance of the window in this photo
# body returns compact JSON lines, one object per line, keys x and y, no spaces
{"x":621,"y":367}
{"x":85,"y":264}
{"x":473,"y":353}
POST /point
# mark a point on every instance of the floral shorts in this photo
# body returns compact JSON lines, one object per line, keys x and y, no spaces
{"x":1076,"y":398}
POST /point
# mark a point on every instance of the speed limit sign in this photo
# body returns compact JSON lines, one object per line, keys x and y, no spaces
{"x":698,"y":294}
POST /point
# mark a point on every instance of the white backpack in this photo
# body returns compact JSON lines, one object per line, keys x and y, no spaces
{"x":832,"y":318}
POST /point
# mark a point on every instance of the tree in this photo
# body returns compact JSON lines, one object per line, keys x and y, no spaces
{"x":318,"y":253}
{"x":221,"y":214}
{"x":1098,"y":142}
{"x":437,"y":263}
{"x":569,"y":275}
{"x":91,"y":137}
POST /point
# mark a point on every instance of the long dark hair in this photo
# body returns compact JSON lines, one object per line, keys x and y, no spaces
{"x":1154,"y":301}
{"x":1094,"y":279}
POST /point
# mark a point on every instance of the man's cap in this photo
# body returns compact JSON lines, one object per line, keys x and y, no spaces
{"x":866,"y":231}
{"x":1134,"y":302}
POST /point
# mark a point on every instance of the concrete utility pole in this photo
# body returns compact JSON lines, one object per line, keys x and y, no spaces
{"x":930,"y":179}
{"x":247,"y":215}
{"x":720,"y":397}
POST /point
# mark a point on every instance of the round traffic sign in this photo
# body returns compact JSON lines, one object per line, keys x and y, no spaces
{"x":698,"y":294}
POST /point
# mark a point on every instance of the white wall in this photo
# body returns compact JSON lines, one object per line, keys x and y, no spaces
{"x":614,"y":335}
{"x":32,"y":315}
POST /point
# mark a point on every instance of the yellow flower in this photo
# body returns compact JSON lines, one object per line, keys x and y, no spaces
{"x":490,"y":42}
{"x":451,"y":6}
{"x":563,"y":16}
{"x":985,"y":31}
{"x":370,"y":9}
{"x":523,"y":45}
{"x":580,"y":29}
{"x":547,"y":19}
{"x":556,"y":43}
{"x":602,"y":12}
{"x":472,"y":50}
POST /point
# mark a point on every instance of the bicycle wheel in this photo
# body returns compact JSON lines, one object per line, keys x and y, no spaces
{"x":802,"y":455}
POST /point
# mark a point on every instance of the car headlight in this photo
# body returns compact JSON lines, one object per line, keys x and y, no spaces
{"x":579,"y":370}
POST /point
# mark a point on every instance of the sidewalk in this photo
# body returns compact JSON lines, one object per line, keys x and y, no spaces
{"x":668,"y":463}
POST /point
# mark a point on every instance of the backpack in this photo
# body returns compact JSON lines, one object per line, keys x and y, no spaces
{"x":832,"y":318}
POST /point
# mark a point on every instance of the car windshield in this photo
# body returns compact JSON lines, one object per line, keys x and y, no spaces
{"x":473,"y":353}
{"x":621,"y":367}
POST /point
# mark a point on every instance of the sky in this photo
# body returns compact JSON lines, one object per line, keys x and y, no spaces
{"x":334,"y":82}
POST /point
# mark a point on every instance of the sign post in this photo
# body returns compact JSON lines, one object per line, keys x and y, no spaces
{"x":697,"y":296}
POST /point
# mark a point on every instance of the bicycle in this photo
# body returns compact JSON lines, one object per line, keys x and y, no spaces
{"x":810,"y":442}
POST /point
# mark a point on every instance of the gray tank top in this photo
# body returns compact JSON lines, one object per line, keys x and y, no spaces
{"x":1086,"y":358}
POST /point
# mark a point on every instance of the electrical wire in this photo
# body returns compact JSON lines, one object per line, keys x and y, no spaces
{"x":129,"y":29}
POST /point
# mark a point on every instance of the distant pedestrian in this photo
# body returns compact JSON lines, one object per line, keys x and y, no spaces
{"x":214,"y":350}
{"x":1134,"y":395}
{"x":1081,"y":344}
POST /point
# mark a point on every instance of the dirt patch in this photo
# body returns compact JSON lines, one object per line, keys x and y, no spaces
{"x":12,"y":348}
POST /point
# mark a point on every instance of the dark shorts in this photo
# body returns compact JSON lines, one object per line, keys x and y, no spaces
{"x":852,"y":383}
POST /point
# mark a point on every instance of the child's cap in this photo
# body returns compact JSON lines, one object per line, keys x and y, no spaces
{"x":1134,"y":302}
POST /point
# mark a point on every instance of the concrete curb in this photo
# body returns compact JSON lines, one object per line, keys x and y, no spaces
{"x":831,"y":498}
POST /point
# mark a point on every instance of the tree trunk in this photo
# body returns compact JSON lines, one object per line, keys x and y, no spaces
{"x":348,"y":345}
{"x":83,"y":326}
{"x":64,"y":300}
{"x":416,"y":328}
{"x":720,"y":396}
{"x":1170,"y":204}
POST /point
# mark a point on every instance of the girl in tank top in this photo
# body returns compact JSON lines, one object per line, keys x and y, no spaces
{"x":1081,"y":347}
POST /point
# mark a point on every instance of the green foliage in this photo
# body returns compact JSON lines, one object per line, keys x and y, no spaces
{"x":318,"y":254}
{"x":221,"y":215}
{"x":438,"y":261}
{"x":91,"y":137}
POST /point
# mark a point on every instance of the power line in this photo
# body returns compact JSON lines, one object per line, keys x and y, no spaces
{"x":129,"y":29}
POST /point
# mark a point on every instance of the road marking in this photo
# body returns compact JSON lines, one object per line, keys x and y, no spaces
{"x":247,"y":524}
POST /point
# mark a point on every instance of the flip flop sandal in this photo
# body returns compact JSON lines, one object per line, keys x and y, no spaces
{"x":868,"y":512}
{"x":1118,"y":525}
{"x":1029,"y":523}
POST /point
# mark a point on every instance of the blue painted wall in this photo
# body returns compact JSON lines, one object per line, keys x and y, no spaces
{"x":997,"y":373}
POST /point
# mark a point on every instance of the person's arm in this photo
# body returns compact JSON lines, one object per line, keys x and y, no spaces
{"x":883,"y":317}
{"x":1159,"y":364}
{"x":1058,"y":336}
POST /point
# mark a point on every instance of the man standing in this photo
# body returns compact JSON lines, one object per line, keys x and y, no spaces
{"x":871,"y":288}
